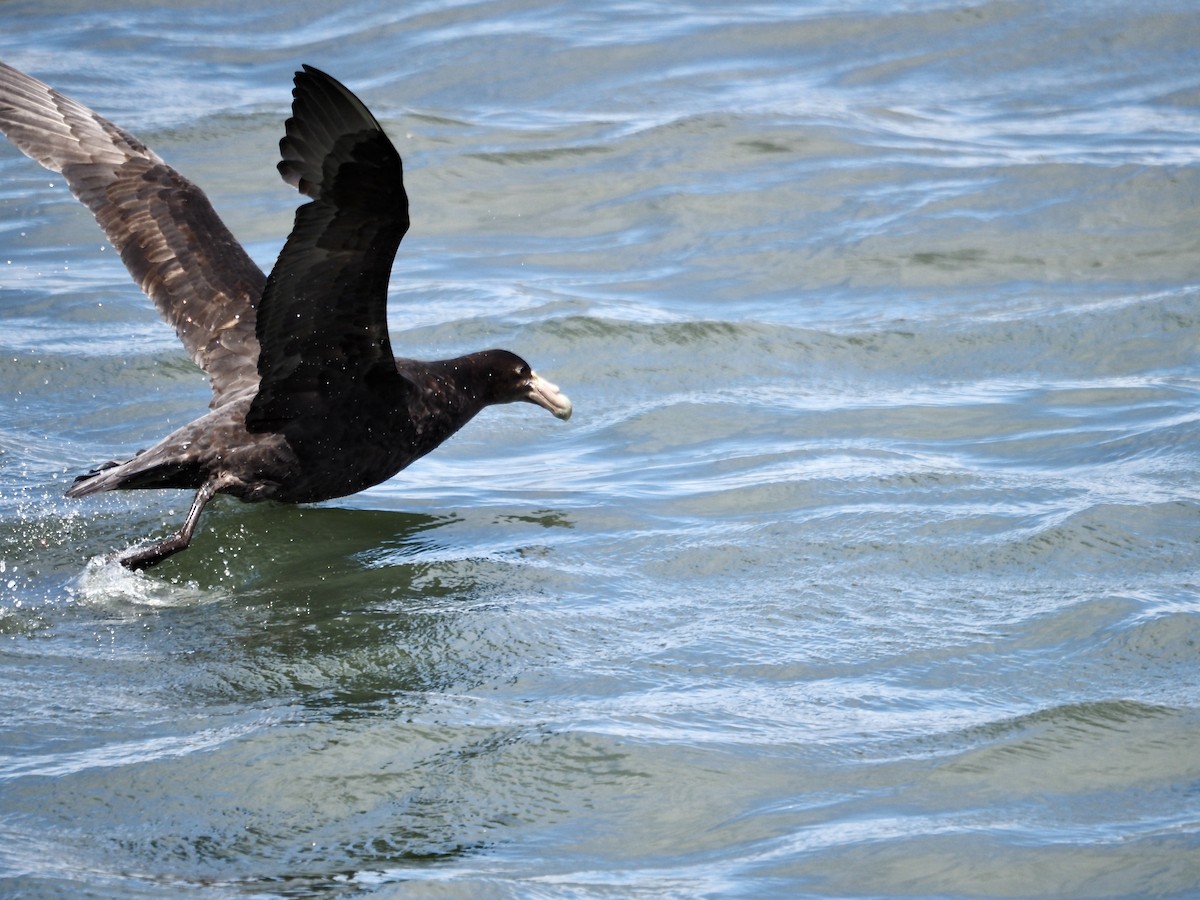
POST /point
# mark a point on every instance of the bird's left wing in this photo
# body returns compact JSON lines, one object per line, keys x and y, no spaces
{"x":322,"y":322}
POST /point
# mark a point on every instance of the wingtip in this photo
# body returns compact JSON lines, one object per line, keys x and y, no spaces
{"x":306,"y":71}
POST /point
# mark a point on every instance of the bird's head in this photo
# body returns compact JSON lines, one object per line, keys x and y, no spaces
{"x":507,"y":378}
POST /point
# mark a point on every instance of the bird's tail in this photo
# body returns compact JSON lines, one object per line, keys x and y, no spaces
{"x":134,"y":474}
{"x":94,"y":481}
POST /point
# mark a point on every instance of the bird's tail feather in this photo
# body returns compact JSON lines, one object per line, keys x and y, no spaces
{"x":134,"y":474}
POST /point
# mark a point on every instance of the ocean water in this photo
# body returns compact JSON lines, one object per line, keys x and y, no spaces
{"x":867,"y":566}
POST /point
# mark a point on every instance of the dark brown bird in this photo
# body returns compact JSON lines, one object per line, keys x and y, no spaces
{"x":308,"y":402}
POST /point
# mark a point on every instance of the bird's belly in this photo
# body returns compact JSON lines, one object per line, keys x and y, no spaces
{"x":338,"y":474}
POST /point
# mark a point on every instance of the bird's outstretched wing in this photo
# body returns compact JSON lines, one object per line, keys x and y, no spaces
{"x":169,"y":237}
{"x":322,"y":321}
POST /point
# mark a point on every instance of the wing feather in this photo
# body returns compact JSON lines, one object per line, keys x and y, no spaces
{"x":166,"y":231}
{"x":322,"y":322}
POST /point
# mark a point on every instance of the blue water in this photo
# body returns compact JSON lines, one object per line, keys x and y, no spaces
{"x":867,"y":566}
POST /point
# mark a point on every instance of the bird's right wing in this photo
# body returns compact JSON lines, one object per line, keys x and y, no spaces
{"x":169,"y":237}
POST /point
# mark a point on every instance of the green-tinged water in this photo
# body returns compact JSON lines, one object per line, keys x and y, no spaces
{"x":867,"y":566}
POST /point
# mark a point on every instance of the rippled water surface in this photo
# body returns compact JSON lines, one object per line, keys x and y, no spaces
{"x":868,"y":565}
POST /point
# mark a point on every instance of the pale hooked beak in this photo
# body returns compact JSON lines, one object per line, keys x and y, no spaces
{"x":547,"y":395}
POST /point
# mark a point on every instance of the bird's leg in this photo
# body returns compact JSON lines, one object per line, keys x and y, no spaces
{"x":143,"y":557}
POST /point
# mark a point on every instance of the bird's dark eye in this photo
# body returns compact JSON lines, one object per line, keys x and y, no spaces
{"x":523,"y":371}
